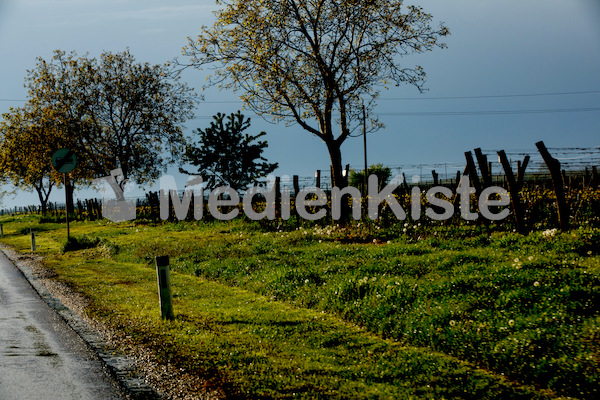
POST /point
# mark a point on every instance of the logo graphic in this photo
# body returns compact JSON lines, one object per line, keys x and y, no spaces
{"x":225,"y":203}
{"x":116,"y":209}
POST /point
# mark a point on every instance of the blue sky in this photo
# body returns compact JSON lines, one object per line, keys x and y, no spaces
{"x":497,"y":48}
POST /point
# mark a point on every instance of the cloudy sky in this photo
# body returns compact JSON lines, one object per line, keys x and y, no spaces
{"x":515,"y":72}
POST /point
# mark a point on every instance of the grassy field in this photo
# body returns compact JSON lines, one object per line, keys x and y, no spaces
{"x":415,"y":312}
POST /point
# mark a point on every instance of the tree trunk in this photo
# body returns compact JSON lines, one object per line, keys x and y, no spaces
{"x":43,"y":195}
{"x":337,"y":179}
{"x":43,"y":201}
{"x":335,"y":155}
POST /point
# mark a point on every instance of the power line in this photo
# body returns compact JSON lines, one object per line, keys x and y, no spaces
{"x":485,"y":112}
{"x":491,"y":112}
{"x":428,"y":98}
{"x":493,"y":96}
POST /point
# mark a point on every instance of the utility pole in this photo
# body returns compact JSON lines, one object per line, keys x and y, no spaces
{"x":364,"y":114}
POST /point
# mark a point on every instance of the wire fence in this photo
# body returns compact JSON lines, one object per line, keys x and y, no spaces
{"x":576,"y":162}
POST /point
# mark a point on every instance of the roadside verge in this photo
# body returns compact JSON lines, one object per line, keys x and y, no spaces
{"x":120,"y":366}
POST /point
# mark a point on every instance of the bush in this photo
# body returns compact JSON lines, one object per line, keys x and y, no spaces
{"x":74,"y":243}
{"x":51,"y":218}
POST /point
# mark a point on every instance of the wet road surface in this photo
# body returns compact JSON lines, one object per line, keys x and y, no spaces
{"x":41,"y":357}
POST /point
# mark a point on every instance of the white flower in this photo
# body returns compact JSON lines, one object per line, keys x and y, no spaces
{"x":549,"y":232}
{"x":452,"y":322}
{"x":536,"y":284}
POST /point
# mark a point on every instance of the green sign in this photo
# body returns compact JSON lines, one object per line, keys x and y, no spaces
{"x":64,"y":160}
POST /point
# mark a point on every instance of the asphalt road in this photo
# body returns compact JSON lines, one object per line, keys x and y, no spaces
{"x":41,"y":357}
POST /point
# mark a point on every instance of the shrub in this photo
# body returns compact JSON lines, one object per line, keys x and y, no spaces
{"x":74,"y":243}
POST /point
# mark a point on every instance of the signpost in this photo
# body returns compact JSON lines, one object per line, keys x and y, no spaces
{"x":64,"y":161}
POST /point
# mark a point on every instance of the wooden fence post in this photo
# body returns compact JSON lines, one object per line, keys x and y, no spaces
{"x":456,"y":201}
{"x":521,"y":166}
{"x":559,"y":188}
{"x":296,"y":184}
{"x":514,"y":187}
{"x":477,"y":184}
{"x":404,"y":183}
{"x":277,"y":189}
{"x":486,"y":177}
{"x":472,"y":172}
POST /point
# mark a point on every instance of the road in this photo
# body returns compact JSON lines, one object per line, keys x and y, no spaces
{"x":41,"y":357}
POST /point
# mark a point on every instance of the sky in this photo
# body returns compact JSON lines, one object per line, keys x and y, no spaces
{"x":515,"y":72}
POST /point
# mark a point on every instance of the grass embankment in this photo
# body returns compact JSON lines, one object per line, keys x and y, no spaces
{"x":442,"y":313}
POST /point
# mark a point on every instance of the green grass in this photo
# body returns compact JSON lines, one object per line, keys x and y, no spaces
{"x":434,"y":312}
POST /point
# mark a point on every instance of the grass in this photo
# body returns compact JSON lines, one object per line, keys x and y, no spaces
{"x":432,"y":312}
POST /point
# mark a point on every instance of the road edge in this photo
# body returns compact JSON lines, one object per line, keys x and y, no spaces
{"x":121,"y":367}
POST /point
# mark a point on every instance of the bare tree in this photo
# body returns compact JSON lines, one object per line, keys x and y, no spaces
{"x":315,"y":62}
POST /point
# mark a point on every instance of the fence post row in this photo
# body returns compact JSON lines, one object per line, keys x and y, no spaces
{"x":479,"y":172}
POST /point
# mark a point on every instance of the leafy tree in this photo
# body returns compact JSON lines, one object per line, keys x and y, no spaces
{"x":120,"y":113}
{"x":227,"y":155}
{"x":113,"y":112}
{"x":315,"y":62}
{"x":29,"y":137}
{"x":357,"y":177}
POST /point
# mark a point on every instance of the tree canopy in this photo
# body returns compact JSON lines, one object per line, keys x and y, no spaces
{"x":315,"y":62}
{"x":120,"y":113}
{"x":225,"y":155}
{"x":28,"y":138}
{"x":357,"y":177}
{"x":113,"y":112}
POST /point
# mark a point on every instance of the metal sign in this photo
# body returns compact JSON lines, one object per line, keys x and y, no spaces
{"x":64,"y":160}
